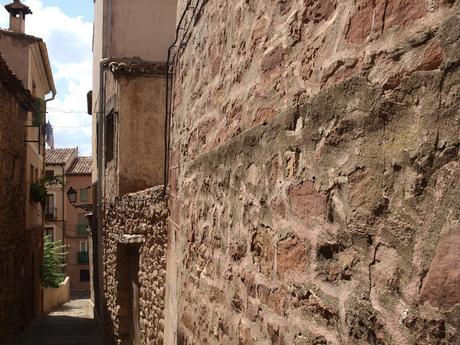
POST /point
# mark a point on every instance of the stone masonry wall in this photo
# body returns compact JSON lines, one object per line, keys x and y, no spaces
{"x":12,"y":214}
{"x":136,"y":219}
{"x":314,"y":190}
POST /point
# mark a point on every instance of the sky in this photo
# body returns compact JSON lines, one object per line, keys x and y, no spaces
{"x":67,"y":29}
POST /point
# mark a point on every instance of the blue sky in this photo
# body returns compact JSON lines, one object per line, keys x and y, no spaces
{"x":66,"y":27}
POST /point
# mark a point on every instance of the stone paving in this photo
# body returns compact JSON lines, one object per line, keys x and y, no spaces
{"x":71,"y":324}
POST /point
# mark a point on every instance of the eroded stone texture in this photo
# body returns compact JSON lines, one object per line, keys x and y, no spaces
{"x":315,"y":173}
{"x":15,"y":289}
{"x":138,"y":220}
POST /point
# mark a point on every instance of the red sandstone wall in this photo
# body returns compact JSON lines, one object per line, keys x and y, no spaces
{"x":314,"y":174}
{"x":14,"y":287}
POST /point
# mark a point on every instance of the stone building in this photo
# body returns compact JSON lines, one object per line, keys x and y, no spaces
{"x":315,"y":174}
{"x":15,"y":290}
{"x":131,"y":40}
{"x":65,"y":222}
{"x":313,"y":177}
{"x":27,"y":57}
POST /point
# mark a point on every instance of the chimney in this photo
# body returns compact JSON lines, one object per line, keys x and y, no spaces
{"x":18,"y":12}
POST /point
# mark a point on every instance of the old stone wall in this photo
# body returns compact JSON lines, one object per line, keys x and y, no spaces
{"x":135,"y":221}
{"x":13,"y":298}
{"x":314,"y":176}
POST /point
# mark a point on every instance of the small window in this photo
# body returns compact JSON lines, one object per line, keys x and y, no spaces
{"x":49,"y":231}
{"x":82,"y":220}
{"x":109,"y":137}
{"x":84,"y":275}
{"x":49,"y":174}
{"x":31,"y":176}
{"x":83,"y":246}
{"x":50,"y":210}
{"x":84,"y":195}
{"x":36,"y":175}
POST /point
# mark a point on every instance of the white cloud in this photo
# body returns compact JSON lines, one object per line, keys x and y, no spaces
{"x":69,"y":41}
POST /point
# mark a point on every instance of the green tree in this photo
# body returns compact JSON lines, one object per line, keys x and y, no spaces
{"x":53,"y":262}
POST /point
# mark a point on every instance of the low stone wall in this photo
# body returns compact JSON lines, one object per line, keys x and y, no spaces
{"x":135,"y":221}
{"x":53,"y":298}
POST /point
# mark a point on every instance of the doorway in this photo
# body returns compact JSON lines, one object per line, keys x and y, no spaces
{"x":128,"y":293}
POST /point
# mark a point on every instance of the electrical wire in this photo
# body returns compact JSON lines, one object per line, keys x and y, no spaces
{"x":70,"y":111}
{"x":69,"y":127}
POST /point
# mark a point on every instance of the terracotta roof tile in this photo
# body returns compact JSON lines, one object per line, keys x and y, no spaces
{"x":81,"y":166}
{"x":59,"y":156}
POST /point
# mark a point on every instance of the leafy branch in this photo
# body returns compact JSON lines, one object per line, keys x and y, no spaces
{"x":53,"y":262}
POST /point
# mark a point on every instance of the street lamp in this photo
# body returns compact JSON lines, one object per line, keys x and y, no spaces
{"x":72,"y":195}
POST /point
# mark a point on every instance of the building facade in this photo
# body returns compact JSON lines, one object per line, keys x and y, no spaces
{"x":66,"y":222}
{"x":131,"y":40}
{"x":27,"y":57}
{"x":312,"y":157}
{"x":78,"y":178}
{"x":16,"y":291}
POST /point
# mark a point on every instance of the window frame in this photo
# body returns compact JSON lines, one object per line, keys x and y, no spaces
{"x":83,"y":191}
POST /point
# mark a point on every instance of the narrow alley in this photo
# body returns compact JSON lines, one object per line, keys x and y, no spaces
{"x":70,"y":324}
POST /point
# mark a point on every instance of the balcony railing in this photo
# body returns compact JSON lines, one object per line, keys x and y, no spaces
{"x":83,"y":257}
{"x":81,"y":229}
{"x":50,"y":213}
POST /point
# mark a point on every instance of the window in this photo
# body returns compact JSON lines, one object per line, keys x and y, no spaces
{"x":50,"y":210}
{"x":49,"y":231}
{"x":109,"y":137}
{"x":31,"y":176}
{"x":84,"y":275}
{"x":83,"y":246}
{"x":84,"y":195}
{"x":36,"y":176}
{"x":49,"y":174}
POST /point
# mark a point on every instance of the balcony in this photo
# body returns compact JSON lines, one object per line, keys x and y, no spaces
{"x":81,"y":230}
{"x":50,"y":214}
{"x":83,"y":257}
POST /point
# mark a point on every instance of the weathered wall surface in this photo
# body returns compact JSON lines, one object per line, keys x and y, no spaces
{"x":12,"y":214}
{"x":138,"y":126}
{"x":315,"y":175}
{"x":141,"y":132}
{"x":54,"y":297}
{"x":137,"y":220}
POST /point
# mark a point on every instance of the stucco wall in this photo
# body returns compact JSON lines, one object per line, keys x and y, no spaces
{"x":16,"y":53}
{"x":138,"y":105}
{"x":141,"y":132}
{"x":314,"y":174}
{"x":54,"y":297}
{"x":134,"y":38}
{"x":137,"y":219}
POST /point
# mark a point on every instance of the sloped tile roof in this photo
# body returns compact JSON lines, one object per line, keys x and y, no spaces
{"x":81,"y":166}
{"x":59,"y":156}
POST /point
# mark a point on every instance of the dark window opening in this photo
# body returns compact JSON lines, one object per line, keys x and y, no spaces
{"x":109,"y":137}
{"x":84,"y":275}
{"x":49,"y":174}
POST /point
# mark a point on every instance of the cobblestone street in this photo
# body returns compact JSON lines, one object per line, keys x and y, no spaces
{"x":71,"y":324}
